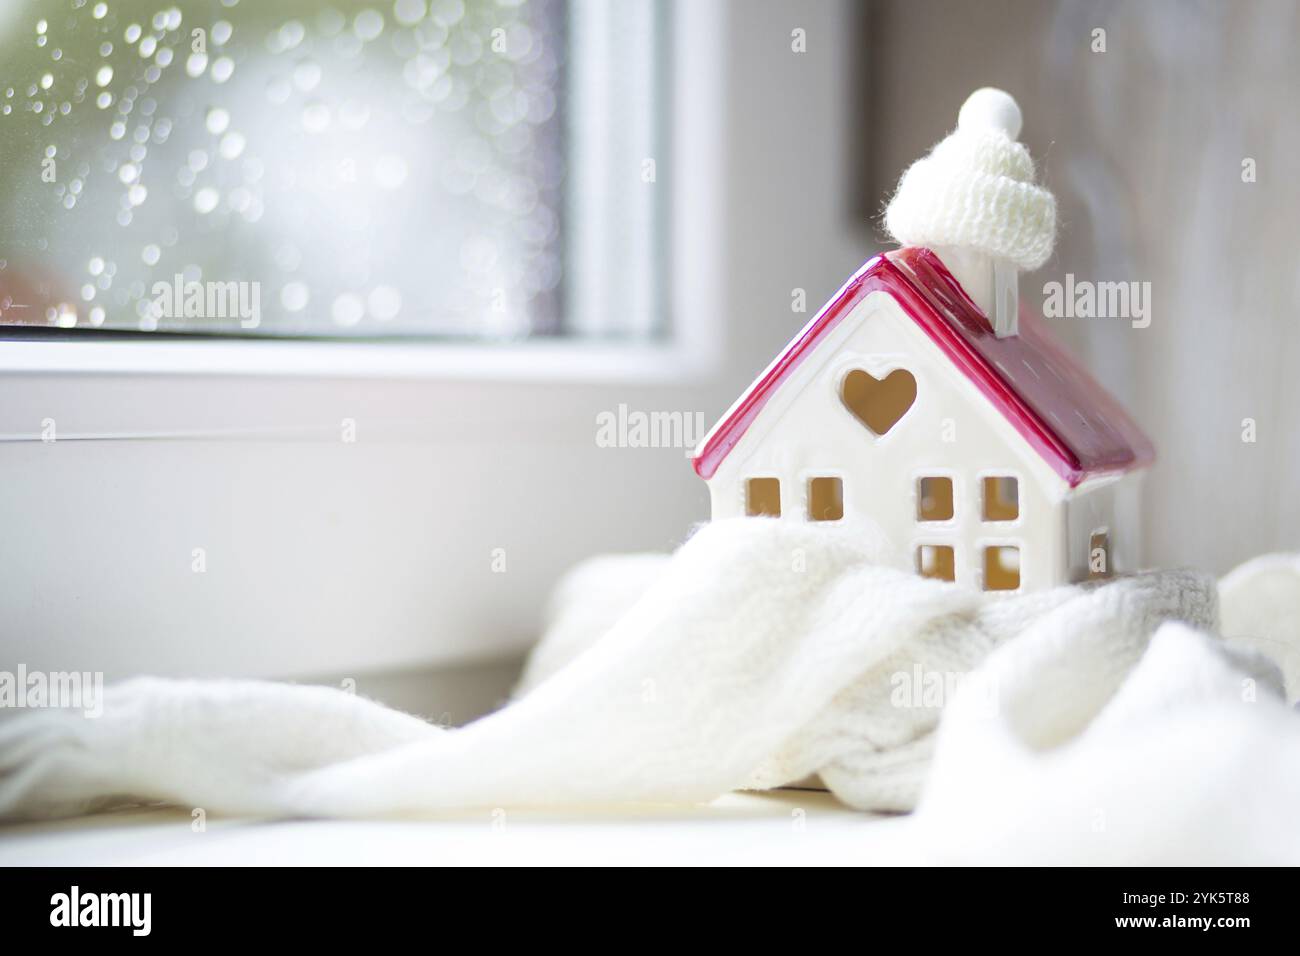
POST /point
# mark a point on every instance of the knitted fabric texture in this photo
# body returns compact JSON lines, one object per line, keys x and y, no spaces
{"x":976,"y":190}
{"x":728,"y":665}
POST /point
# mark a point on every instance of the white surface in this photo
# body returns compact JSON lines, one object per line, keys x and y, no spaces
{"x":785,"y":828}
{"x":540,"y":361}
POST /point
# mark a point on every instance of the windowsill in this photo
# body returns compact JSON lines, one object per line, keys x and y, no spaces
{"x":565,"y":360}
{"x":742,"y":828}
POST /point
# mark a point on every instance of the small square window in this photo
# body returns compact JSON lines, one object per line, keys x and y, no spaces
{"x":1099,"y":555}
{"x":763,"y":497}
{"x":936,"y":561}
{"x":933,"y":499}
{"x":1001,"y":568}
{"x":825,"y":499}
{"x":1001,"y":498}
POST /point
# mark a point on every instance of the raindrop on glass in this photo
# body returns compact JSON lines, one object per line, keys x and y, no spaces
{"x":384,"y":302}
{"x":205,"y":200}
{"x":306,"y":76}
{"x":316,"y":117}
{"x":347,"y":310}
{"x":232,"y":145}
{"x":409,"y":12}
{"x":294,"y":296}
{"x":368,"y":24}
{"x":217,"y":120}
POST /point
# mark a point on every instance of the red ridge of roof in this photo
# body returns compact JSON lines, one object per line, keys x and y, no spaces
{"x":1077,"y":427}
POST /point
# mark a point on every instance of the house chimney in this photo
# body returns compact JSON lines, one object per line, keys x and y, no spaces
{"x":992,"y":282}
{"x":974,"y":202}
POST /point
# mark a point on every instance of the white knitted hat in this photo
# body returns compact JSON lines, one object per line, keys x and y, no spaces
{"x":976,"y":189}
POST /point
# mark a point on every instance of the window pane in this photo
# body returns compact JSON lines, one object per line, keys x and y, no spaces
{"x":288,"y":168}
{"x":1001,"y":496}
{"x":825,"y":499}
{"x":1001,"y":568}
{"x":934,"y":501}
{"x":763,"y":497}
{"x":936,"y":561}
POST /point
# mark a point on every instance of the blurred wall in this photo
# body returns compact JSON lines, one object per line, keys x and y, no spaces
{"x":1143,"y":145}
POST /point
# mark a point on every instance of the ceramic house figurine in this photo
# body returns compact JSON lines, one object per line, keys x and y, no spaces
{"x":922,"y":401}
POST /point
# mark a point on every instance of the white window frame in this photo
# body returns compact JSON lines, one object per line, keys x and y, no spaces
{"x":166,"y":445}
{"x":689,"y":351}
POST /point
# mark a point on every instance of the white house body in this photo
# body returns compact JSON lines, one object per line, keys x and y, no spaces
{"x":964,"y":476}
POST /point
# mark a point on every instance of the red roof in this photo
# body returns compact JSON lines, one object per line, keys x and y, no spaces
{"x":1061,"y":410}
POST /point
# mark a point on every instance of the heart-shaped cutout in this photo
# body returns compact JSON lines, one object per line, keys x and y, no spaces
{"x":878,"y":402}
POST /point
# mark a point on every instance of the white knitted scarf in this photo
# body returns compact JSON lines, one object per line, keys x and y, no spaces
{"x":760,"y":653}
